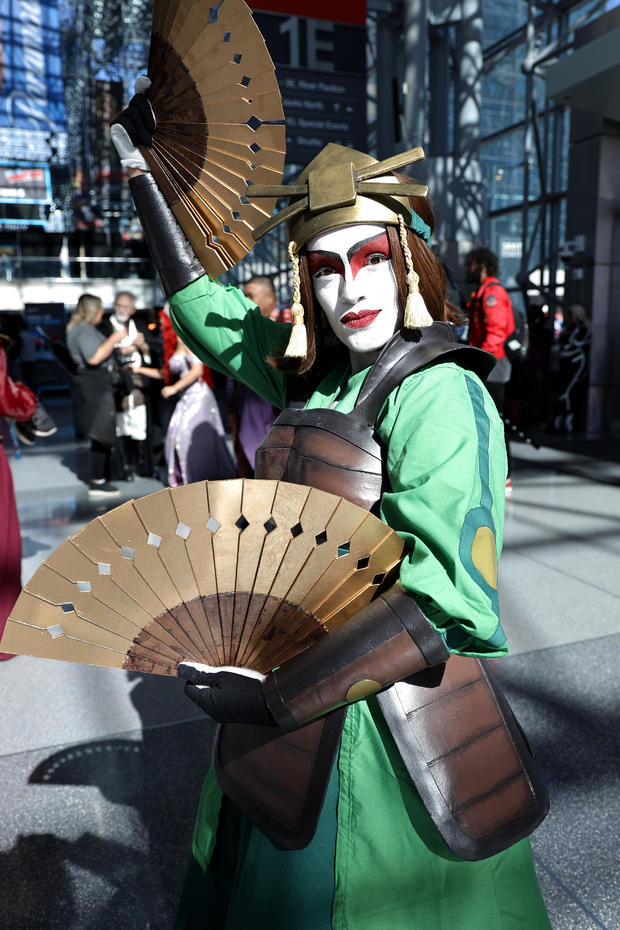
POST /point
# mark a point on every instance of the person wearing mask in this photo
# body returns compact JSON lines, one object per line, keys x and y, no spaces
{"x":92,"y":354}
{"x":491,"y":322}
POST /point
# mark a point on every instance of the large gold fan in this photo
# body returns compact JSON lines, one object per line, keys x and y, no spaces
{"x":217,"y":105}
{"x":241,"y":572}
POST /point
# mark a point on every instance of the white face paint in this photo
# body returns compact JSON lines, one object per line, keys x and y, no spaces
{"x":355,"y":285}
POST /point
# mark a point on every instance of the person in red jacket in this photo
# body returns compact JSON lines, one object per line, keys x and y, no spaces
{"x":491,"y":322}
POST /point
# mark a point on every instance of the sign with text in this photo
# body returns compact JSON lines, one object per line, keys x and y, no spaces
{"x":25,"y":184}
{"x":321,"y":70}
{"x":24,"y":192}
{"x":50,"y":317}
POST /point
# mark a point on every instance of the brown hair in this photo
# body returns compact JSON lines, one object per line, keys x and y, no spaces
{"x":425,"y":262}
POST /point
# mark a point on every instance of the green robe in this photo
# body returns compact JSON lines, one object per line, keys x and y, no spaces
{"x":376,"y":862}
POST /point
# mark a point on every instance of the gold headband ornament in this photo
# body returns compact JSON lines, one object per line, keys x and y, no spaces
{"x":341,"y":187}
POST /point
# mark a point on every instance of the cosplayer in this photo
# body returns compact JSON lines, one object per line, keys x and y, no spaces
{"x":310,"y":818}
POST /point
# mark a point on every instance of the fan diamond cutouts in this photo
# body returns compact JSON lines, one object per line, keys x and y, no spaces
{"x":241,"y":572}
{"x":212,"y":137}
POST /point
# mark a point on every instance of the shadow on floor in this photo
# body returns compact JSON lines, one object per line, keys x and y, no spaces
{"x":95,"y":881}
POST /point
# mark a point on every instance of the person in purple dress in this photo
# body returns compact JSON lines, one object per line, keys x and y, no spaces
{"x":196,"y":447}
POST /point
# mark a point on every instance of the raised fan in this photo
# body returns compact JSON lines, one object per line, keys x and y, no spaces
{"x":219,"y":123}
{"x":241,"y":572}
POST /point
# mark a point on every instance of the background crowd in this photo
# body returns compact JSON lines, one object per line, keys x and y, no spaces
{"x":150,"y":408}
{"x":128,"y":374}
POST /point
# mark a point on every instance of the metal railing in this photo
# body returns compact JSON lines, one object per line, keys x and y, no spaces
{"x":17,"y":268}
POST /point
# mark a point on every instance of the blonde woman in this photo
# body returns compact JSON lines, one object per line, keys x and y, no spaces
{"x":93,"y":394}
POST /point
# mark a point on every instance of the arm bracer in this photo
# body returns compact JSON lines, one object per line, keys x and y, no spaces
{"x":386,"y":641}
{"x":175,"y":261}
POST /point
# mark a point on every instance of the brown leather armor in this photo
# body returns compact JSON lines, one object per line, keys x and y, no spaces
{"x":279,"y":779}
{"x":338,"y":452}
{"x":281,"y":784}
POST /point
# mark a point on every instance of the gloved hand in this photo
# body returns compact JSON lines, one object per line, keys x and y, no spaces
{"x":134,"y":126}
{"x":227,"y":694}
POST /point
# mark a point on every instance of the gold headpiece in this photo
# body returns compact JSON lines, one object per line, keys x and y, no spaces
{"x":342,"y":186}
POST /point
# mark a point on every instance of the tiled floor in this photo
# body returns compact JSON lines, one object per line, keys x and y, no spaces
{"x":101,"y":769}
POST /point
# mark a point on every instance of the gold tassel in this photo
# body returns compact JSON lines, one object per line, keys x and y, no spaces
{"x":298,"y":341}
{"x":416,"y":311}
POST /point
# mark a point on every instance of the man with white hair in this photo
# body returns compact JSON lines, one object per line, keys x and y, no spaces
{"x":131,"y":409}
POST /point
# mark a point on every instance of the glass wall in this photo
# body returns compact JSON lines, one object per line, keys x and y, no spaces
{"x":524,"y":142}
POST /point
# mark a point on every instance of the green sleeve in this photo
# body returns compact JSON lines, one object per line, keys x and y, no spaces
{"x":227,"y":332}
{"x":446,"y":464}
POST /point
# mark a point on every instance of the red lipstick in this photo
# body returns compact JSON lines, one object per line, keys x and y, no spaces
{"x":359,"y":320}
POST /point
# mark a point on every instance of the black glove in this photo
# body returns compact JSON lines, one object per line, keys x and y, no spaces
{"x":231,"y":697}
{"x":138,"y":121}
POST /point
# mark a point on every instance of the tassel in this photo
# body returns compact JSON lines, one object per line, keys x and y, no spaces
{"x":416,"y":311}
{"x":298,"y":341}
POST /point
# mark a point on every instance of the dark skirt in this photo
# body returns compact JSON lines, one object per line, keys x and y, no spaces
{"x":95,"y":411}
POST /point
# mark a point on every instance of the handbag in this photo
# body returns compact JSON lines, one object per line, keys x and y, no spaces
{"x":513,"y":347}
{"x":122,"y":379}
{"x":16,"y":400}
{"x":516,"y":343}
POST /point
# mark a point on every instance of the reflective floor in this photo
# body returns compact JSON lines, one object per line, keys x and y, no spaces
{"x":101,"y":769}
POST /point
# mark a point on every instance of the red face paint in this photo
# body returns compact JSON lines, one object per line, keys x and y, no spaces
{"x":367,"y":252}
{"x":354,"y":283}
{"x":325,"y":262}
{"x":363,"y":253}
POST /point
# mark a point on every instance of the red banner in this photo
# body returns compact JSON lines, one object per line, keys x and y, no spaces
{"x":353,"y":12}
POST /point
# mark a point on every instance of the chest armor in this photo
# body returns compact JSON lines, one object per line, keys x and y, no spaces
{"x":279,"y":780}
{"x":339,"y":452}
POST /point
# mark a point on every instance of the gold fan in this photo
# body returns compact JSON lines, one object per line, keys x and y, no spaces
{"x":241,"y":572}
{"x":217,"y":105}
